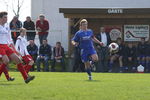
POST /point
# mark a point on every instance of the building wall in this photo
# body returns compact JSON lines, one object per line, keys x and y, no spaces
{"x":59,"y":24}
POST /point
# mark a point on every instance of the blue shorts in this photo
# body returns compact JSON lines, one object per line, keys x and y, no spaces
{"x":86,"y":53}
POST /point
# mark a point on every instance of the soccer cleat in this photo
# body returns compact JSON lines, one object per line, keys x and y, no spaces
{"x":11,"y":79}
{"x":90,"y":78}
{"x":30,"y":78}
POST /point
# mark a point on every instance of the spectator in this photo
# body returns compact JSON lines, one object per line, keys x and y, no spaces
{"x":118,"y":55}
{"x":130,"y":57}
{"x":29,"y":26}
{"x":15,"y":25}
{"x":42,"y":26}
{"x":78,"y":64}
{"x":33,"y":51}
{"x":44,"y":56}
{"x":148,"y":57}
{"x":103,"y":50}
{"x":142,"y":47}
{"x":58,"y":53}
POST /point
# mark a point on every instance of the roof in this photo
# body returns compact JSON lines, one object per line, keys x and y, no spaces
{"x":79,"y":12}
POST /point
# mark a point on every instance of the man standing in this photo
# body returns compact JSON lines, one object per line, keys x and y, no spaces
{"x":42,"y":27}
{"x":103,"y":50}
{"x":15,"y":25}
{"x":30,"y":27}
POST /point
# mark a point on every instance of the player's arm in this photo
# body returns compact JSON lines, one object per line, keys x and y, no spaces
{"x":97,"y":41}
{"x":16,"y":47}
{"x":75,"y":40}
{"x":74,"y":43}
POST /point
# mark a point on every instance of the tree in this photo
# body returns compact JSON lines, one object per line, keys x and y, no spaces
{"x":14,"y":5}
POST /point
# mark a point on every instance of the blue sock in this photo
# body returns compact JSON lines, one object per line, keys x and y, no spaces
{"x":110,"y":65}
{"x":88,"y":70}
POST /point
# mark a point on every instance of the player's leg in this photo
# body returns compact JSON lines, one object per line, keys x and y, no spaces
{"x":85,"y":60}
{"x":5,"y":61}
{"x":94,"y":57}
{"x":20,"y":67}
{"x":88,"y":65}
{"x":29,"y":66}
{"x":88,"y":69}
{"x":5,"y":70}
{"x":29,"y":62}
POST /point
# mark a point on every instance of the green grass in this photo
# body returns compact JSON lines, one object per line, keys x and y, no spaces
{"x":75,"y":86}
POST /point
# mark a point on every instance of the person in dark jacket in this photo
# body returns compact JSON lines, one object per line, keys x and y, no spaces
{"x":141,"y":48}
{"x":148,"y":57}
{"x":33,"y":51}
{"x":78,"y":64}
{"x":44,"y":56}
{"x":15,"y":26}
{"x":58,"y":53}
{"x":103,"y":51}
{"x":30,"y":27}
{"x":131,"y":57}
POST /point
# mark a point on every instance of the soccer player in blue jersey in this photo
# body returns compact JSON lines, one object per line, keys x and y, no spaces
{"x":84,"y":38}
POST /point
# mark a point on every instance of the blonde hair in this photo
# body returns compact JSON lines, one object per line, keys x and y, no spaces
{"x":22,"y":30}
{"x":83,"y":21}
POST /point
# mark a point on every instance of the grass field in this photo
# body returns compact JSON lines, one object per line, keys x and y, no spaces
{"x":75,"y":86}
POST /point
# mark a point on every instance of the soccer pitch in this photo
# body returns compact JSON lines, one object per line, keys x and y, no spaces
{"x":75,"y":86}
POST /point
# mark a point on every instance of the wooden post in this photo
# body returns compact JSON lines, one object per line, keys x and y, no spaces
{"x":70,"y":47}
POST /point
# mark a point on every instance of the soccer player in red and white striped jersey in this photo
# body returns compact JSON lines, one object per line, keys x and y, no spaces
{"x":21,"y":47}
{"x":6,"y":52}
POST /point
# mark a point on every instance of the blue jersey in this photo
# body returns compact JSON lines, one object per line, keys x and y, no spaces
{"x":84,"y":38}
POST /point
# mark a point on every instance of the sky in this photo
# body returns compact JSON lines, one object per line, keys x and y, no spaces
{"x":6,"y":5}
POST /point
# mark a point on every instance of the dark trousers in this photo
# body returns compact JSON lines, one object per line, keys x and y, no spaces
{"x":30,"y":37}
{"x":78,"y":64}
{"x":45,"y":62}
{"x":42,"y":37}
{"x":103,"y":54}
{"x":130,"y":66}
{"x":54,"y":63}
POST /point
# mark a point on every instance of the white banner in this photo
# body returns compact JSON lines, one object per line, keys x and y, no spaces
{"x":136,"y":32}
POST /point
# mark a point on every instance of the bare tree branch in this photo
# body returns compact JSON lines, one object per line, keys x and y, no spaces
{"x":15,"y":6}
